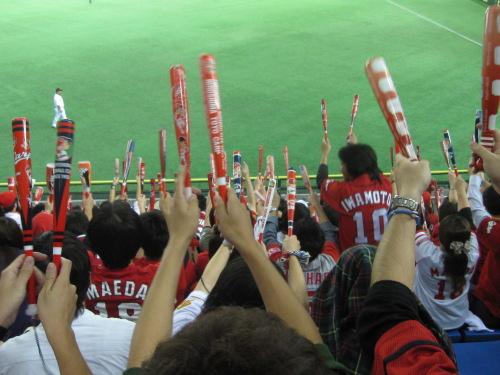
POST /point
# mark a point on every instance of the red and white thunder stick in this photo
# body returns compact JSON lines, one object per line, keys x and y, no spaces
{"x":477,"y":123}
{"x":269,"y":167}
{"x":491,"y":78}
{"x":11,"y":184}
{"x":22,"y":167}
{"x":62,"y":179}
{"x":388,"y":100}
{"x":237,"y":180}
{"x":324,"y":117}
{"x":38,"y":195}
{"x":436,"y":194}
{"x":261,"y":221}
{"x":213,"y":115}
{"x":163,"y":159}
{"x":291,"y":198}
{"x":449,"y":149}
{"x":49,"y":180}
{"x":117,"y":168}
{"x":445,"y":153}
{"x":261,"y":159}
{"x":354,"y":111}
{"x":142,"y":174}
{"x":180,"y":111}
{"x":85,"y":172}
{"x":129,"y":153}
{"x":285,"y":155}
{"x":152,"y":194}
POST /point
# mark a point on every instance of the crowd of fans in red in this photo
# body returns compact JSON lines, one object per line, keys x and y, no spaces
{"x":363,"y":286}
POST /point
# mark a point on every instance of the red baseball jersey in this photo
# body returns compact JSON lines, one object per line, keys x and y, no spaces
{"x":118,"y":293}
{"x":488,"y":287}
{"x":363,"y":205}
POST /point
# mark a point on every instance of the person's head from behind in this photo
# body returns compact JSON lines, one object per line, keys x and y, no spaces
{"x":310,"y":236}
{"x":235,"y":340}
{"x":235,"y":287}
{"x":155,"y":234}
{"x":454,"y":236}
{"x":77,"y":222}
{"x":301,"y":211}
{"x":358,"y":159}
{"x":73,"y":250}
{"x":10,"y":233}
{"x":8,"y":201}
{"x":447,"y":208}
{"x":116,"y":234}
{"x":491,"y":201}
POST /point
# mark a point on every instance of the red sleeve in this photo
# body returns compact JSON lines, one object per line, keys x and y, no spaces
{"x":329,"y":192}
{"x":331,"y":249}
{"x":190,"y":275}
{"x":410,"y":348}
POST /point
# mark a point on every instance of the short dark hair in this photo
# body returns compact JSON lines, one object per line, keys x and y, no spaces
{"x":202,"y":202}
{"x":58,"y":89}
{"x":234,"y":340}
{"x":310,"y":236}
{"x":235,"y":287}
{"x":10,"y":233}
{"x":491,"y":201}
{"x":73,"y":250}
{"x":37,"y":209}
{"x":155,"y":234}
{"x":360,"y":159}
{"x":301,"y":211}
{"x":77,"y":222}
{"x":116,"y":234}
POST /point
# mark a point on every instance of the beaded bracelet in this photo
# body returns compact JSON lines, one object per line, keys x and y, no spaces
{"x":403,"y":211}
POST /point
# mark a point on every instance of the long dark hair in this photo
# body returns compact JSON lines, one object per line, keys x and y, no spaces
{"x":454,"y":235}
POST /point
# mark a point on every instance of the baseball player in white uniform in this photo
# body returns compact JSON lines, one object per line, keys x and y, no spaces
{"x":58,"y":107}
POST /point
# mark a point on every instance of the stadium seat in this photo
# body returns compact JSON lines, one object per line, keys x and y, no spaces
{"x":478,"y":357}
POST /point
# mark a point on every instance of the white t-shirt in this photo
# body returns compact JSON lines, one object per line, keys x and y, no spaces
{"x":188,"y":310}
{"x":449,"y":308}
{"x":58,"y":101}
{"x":104,"y":343}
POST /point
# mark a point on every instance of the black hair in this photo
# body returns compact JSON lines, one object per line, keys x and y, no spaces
{"x":310,"y":236}
{"x":447,"y":208}
{"x":301,"y":211}
{"x":77,"y":222}
{"x":73,"y":250}
{"x":235,"y":287}
{"x":116,"y":234}
{"x":360,"y":159}
{"x":10,"y":233}
{"x":38,"y":208}
{"x":10,"y":208}
{"x":455,"y":228}
{"x":491,"y":201}
{"x":234,"y":340}
{"x":155,"y":234}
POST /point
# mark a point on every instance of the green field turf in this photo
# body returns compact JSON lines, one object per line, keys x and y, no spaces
{"x":276,"y":60}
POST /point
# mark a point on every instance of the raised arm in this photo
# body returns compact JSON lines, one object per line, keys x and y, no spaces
{"x":251,"y":200}
{"x":56,"y":309}
{"x":395,"y":259}
{"x":323,"y":165}
{"x":491,"y":160}
{"x":452,"y":180}
{"x":155,"y":321}
{"x":278,"y":297}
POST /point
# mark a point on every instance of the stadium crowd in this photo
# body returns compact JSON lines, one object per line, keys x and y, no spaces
{"x":368,"y":283}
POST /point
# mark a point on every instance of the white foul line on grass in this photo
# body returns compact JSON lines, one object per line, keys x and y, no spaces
{"x":434,"y":22}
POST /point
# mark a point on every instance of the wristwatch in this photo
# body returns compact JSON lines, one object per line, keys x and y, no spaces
{"x":399,"y":202}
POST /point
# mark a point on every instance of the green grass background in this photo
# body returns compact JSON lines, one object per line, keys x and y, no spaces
{"x":276,"y":60}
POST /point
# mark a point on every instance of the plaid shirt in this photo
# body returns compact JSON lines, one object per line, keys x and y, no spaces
{"x":337,"y":304}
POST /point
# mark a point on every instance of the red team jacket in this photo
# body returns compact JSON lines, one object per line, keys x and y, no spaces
{"x":363,"y":205}
{"x":118,"y":293}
